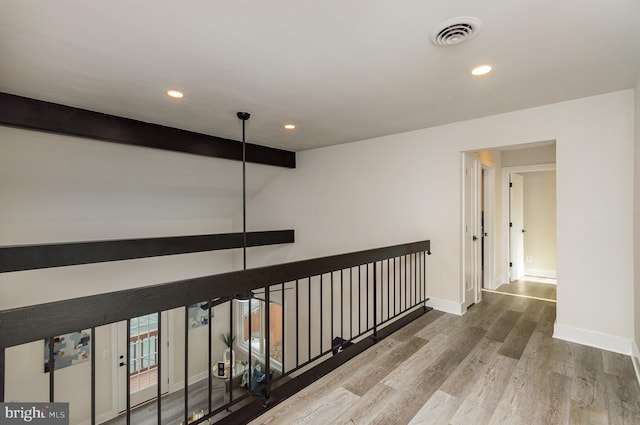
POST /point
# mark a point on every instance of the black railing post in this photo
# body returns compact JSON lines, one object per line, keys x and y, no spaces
{"x":159,"y":363}
{"x":267,"y":349}
{"x":2,"y":374}
{"x":249,"y":330}
{"x":186,"y":364}
{"x":231,"y":347}
{"x":127,"y":366}
{"x":52,"y":366}
{"x":93,"y":376}
{"x":375,"y":300}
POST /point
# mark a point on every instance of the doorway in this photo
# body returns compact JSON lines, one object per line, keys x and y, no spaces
{"x":141,"y":372}
{"x":529,"y":211}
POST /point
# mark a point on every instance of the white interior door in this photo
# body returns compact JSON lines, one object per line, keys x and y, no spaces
{"x":516,"y":226}
{"x":471,"y":241}
{"x":142,"y":370}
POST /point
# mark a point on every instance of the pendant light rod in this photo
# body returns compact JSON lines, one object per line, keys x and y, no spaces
{"x":244,"y":116}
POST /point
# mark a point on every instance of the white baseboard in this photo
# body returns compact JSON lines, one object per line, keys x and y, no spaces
{"x":446,"y":306}
{"x":635,"y":358}
{"x":607,"y":342}
{"x":549,"y":274}
{"x":192,"y":380}
{"x":104,"y":417}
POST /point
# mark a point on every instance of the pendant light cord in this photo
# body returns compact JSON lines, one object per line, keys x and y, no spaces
{"x":244,"y":116}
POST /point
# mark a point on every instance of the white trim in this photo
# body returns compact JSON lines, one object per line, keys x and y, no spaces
{"x":488,"y":191}
{"x":104,"y":417}
{"x":607,"y":342}
{"x":550,"y":274}
{"x":446,"y":306}
{"x":192,"y":380}
{"x":635,"y":359}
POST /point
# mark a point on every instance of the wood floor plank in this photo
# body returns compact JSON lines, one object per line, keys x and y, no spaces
{"x":586,"y":414}
{"x":368,"y":407}
{"x":623,"y":400}
{"x":588,"y":382}
{"x":515,"y":343}
{"x":486,"y":392}
{"x":504,"y":324}
{"x":419,"y":361}
{"x":438,"y":410}
{"x":617,"y":364}
{"x":417,"y":325}
{"x":370,"y":374}
{"x":405,"y":404}
{"x":459,"y":382}
{"x":461,"y":345}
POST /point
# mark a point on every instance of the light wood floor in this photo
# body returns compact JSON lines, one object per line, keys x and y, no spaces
{"x":529,"y":288}
{"x":497,"y":364}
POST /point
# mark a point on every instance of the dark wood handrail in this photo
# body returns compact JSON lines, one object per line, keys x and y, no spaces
{"x":32,"y":323}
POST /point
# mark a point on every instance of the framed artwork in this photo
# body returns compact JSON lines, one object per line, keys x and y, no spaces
{"x":199,"y":315}
{"x":68,"y":349}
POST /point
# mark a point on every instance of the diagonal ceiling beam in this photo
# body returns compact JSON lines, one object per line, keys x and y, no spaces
{"x":32,"y":114}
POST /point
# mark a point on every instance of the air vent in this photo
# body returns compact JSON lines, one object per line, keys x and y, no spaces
{"x":455,"y":31}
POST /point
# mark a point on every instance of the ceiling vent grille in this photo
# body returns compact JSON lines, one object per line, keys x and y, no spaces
{"x":455,"y":31}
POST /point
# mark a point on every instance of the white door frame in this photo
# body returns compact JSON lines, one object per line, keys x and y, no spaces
{"x":506,"y":172}
{"x":470,"y":230}
{"x":488,"y":192}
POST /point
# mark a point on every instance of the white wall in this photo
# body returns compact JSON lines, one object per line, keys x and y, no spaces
{"x":540,"y":223}
{"x":543,"y":154}
{"x":407,"y":187}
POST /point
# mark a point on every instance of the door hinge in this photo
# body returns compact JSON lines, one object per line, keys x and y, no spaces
{"x":510,"y":264}
{"x":510,"y":224}
{"x":510,"y":184}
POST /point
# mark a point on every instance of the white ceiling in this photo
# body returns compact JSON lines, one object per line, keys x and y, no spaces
{"x":340,"y":70}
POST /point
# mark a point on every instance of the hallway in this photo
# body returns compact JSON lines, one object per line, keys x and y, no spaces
{"x":497,"y":364}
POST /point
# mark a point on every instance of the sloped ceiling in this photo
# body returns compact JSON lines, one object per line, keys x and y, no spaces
{"x":341,"y":71}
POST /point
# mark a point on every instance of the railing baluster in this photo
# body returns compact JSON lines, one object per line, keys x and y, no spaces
{"x":359,"y":300}
{"x":341,"y":304}
{"x":388,"y":281}
{"x":321,"y":319}
{"x":405,"y":284}
{"x":127,"y":366}
{"x":186,"y":364}
{"x":297,"y":328}
{"x":231,"y":348}
{"x":424,"y":275}
{"x":93,"y":376}
{"x":350,"y":302}
{"x":159,"y":363}
{"x":309,"y":316}
{"x":250,"y":331}
{"x":284,"y":368}
{"x":375,"y":302}
{"x":267,"y":349}
{"x":332,"y":329}
{"x":2,"y":373}
{"x":367,"y":300}
{"x":52,"y":366}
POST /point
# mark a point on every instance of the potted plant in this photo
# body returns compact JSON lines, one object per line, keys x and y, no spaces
{"x":228,"y":340}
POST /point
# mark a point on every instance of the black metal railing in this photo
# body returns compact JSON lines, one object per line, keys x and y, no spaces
{"x":311,"y":316}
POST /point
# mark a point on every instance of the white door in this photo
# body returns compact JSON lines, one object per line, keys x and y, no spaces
{"x":516,"y":227}
{"x":142,"y":370}
{"x":471,"y":229}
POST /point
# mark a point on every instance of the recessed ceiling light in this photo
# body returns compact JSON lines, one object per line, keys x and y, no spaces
{"x":289,"y":126}
{"x":175,"y":94}
{"x":481,"y":70}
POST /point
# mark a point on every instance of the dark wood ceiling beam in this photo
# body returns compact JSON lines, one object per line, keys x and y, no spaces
{"x":30,"y":257}
{"x":32,"y":114}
